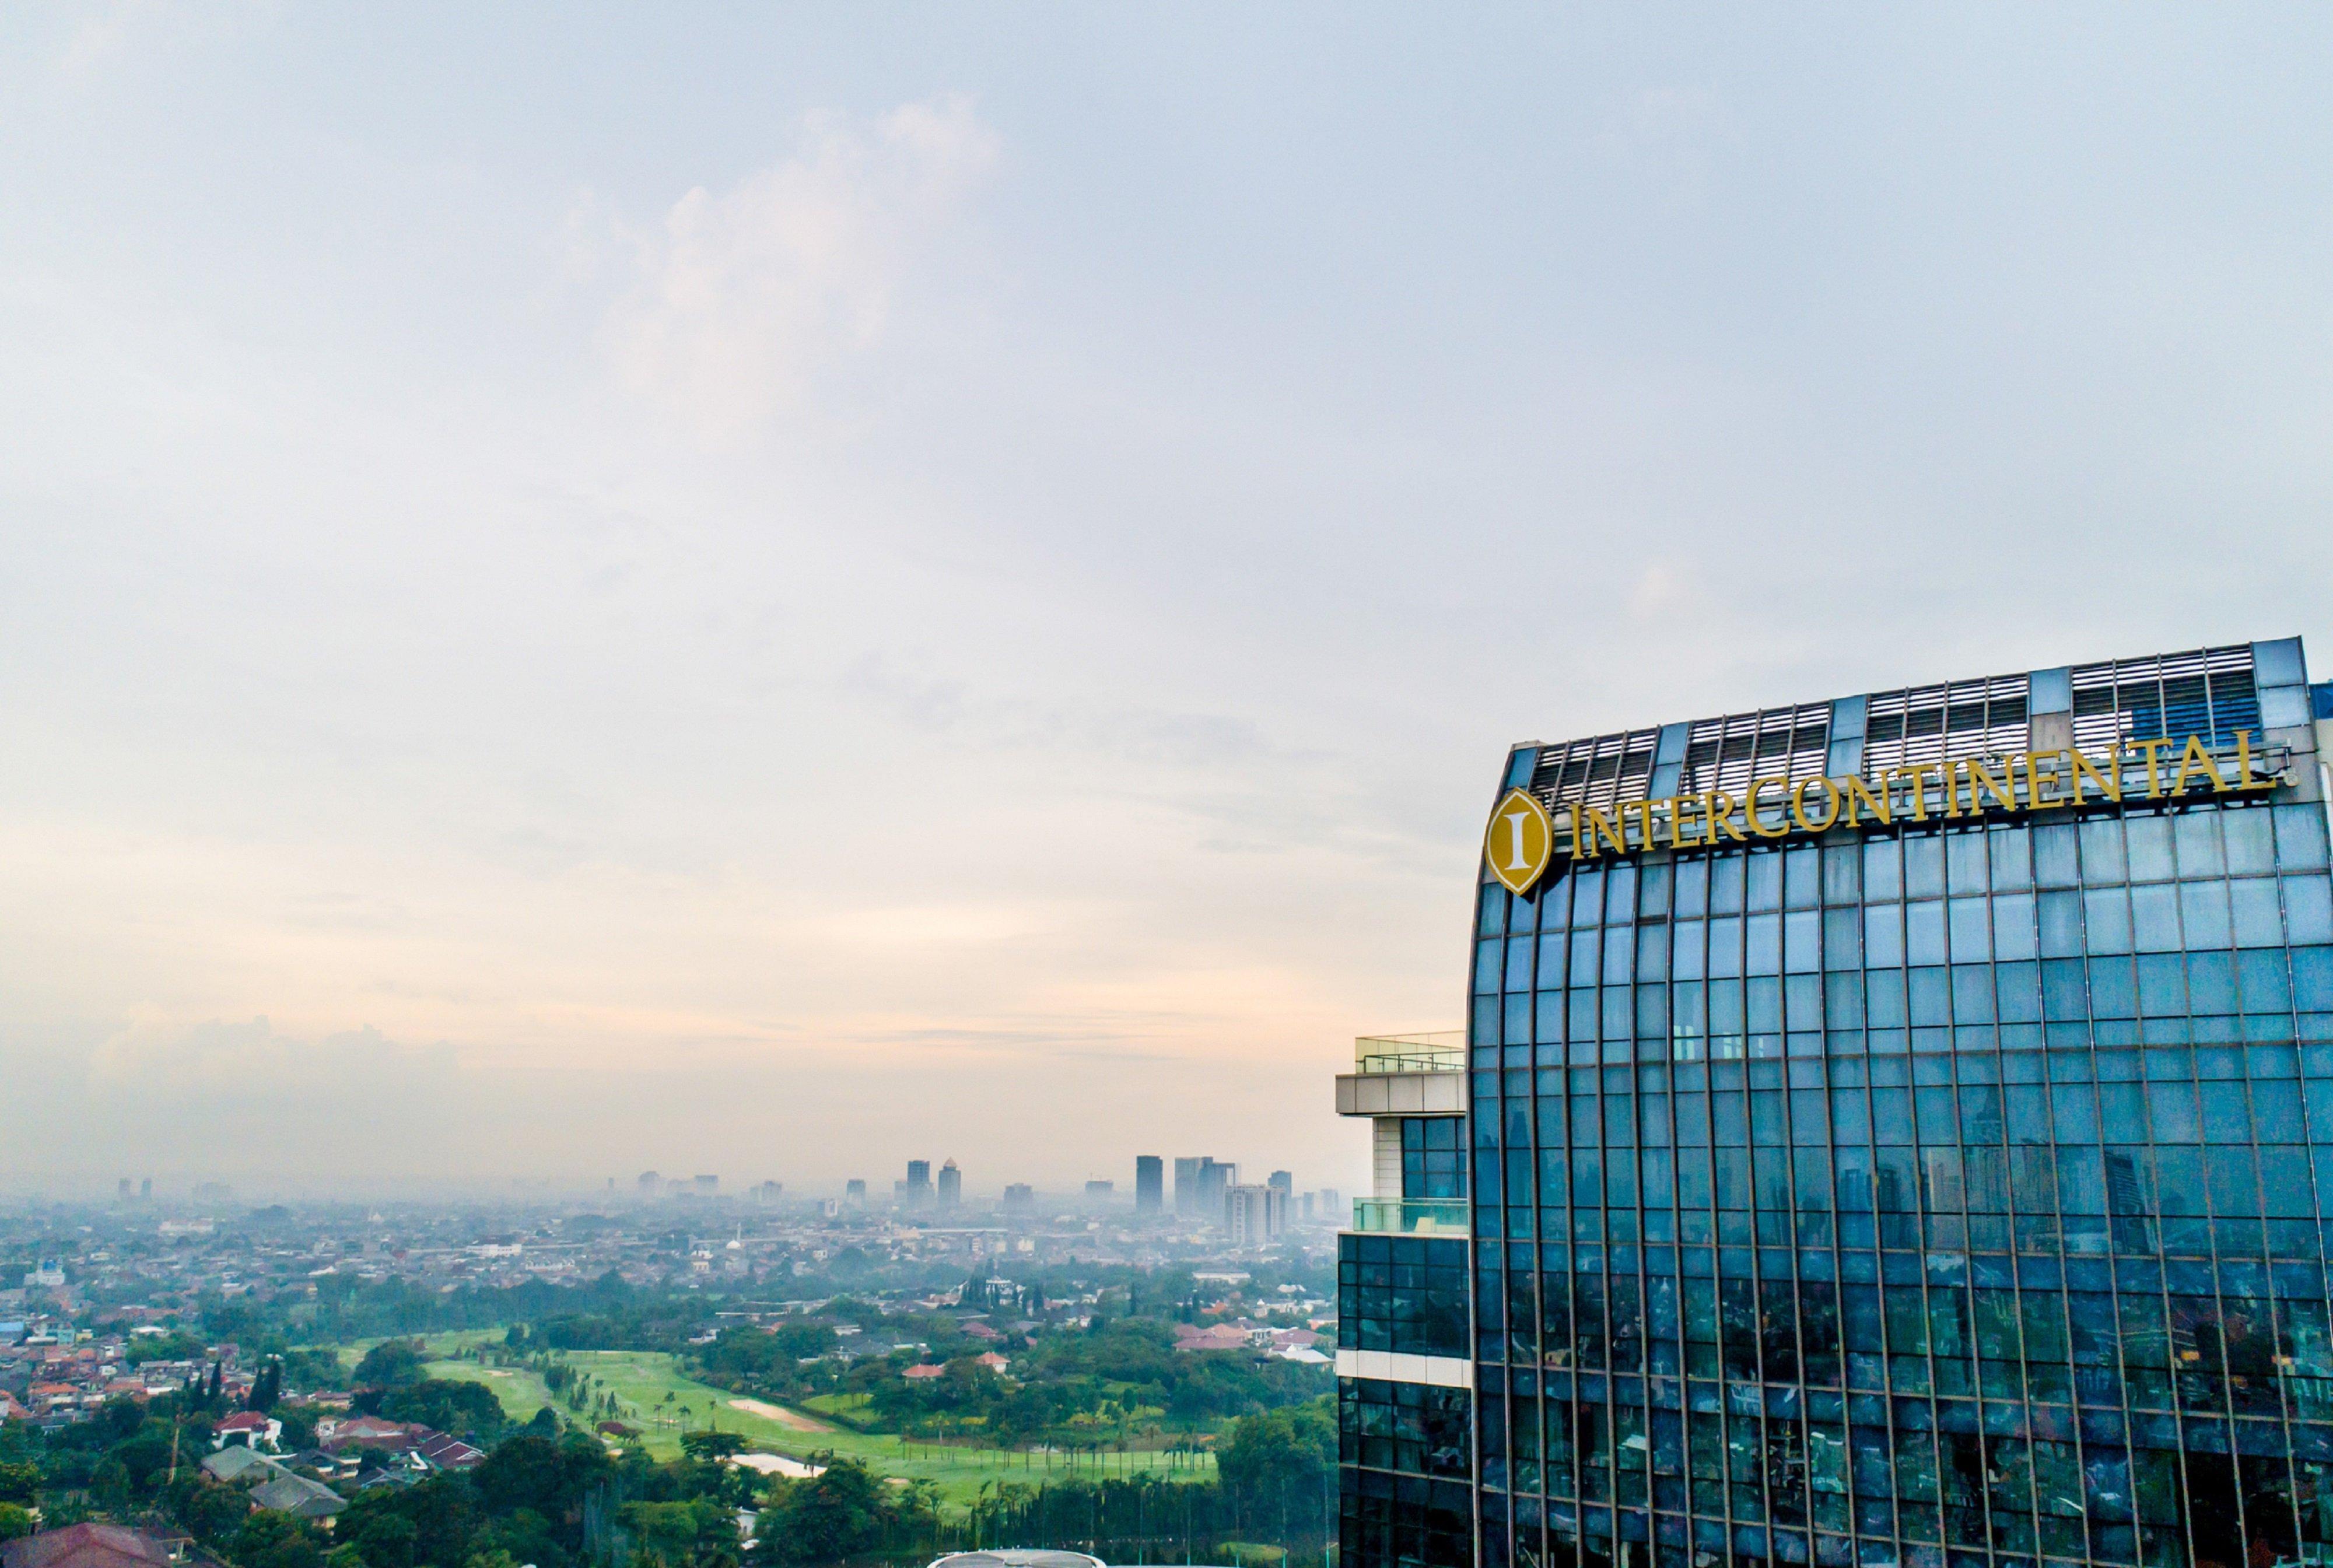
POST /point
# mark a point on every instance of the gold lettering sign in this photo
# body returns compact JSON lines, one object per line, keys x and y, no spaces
{"x":1521,"y":841}
{"x":1774,"y":808}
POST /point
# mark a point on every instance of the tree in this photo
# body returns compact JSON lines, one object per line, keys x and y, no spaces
{"x":209,"y":1511}
{"x":711,"y":1445}
{"x":266,"y":1387}
{"x":392,"y":1363}
{"x":15,"y":1520}
{"x":825,"y":1518}
{"x":272,"y":1540}
{"x":449,"y":1405}
{"x":20,"y":1484}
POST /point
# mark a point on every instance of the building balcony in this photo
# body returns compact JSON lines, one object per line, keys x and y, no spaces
{"x":1411,"y":1216}
{"x":1406,"y":1076}
{"x":1442,"y":1051}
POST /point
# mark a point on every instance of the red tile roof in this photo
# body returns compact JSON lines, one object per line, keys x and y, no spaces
{"x":86,"y":1546}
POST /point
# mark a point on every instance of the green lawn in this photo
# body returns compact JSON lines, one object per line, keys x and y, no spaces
{"x":662,"y":1402}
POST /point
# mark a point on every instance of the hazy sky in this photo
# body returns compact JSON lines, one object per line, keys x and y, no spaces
{"x":770,"y":590}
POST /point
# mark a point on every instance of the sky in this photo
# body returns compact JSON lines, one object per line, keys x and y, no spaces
{"x":770,"y":590}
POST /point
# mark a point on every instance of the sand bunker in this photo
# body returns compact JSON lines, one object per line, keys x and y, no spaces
{"x":793,"y":1420}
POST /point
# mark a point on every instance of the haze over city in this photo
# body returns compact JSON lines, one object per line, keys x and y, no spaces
{"x":775,"y":593}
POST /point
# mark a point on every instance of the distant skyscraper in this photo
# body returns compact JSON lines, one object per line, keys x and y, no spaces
{"x":1150,"y":1185}
{"x":915,"y":1192}
{"x":1216,"y":1178}
{"x":769,"y":1192}
{"x":121,"y":1193}
{"x":707,"y":1186}
{"x":951,"y":1185}
{"x":1099,"y":1193}
{"x":1255,"y":1214}
{"x":1284,"y":1180}
{"x":652,"y":1184}
{"x":145,"y":1191}
{"x":854,"y":1192}
{"x":1187,"y":1184}
{"x":1020,"y":1199}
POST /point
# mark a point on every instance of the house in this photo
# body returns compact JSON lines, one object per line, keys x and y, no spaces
{"x":247,"y":1428}
{"x":88,"y":1546}
{"x":992,"y":1361}
{"x":445,"y":1453}
{"x":232,"y":1464}
{"x":298,"y":1497}
{"x":981,"y":1330}
{"x":925,"y":1373}
{"x":363,"y":1432}
{"x":1222,"y":1336}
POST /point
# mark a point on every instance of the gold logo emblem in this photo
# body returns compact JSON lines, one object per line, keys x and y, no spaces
{"x":1521,"y":841}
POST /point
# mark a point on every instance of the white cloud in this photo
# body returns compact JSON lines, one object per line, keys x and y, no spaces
{"x":746,"y":295}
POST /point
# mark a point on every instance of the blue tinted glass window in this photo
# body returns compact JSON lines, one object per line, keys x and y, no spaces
{"x":2262,"y":982}
{"x":1726,"y":946}
{"x":2054,"y":861}
{"x":2012,"y":925}
{"x":1725,"y":879}
{"x":2149,"y":842}
{"x":1883,"y":934}
{"x":1802,"y":876}
{"x":2212,"y":982}
{"x":2250,"y":840}
{"x":2312,"y":979}
{"x":1965,"y":863}
{"x":2013,"y":857}
{"x":2105,"y":919}
{"x":1971,"y":930}
{"x":1923,"y":867}
{"x":1620,"y":893}
{"x":2155,"y":917}
{"x":1619,"y":957}
{"x":1586,"y":955}
{"x":2196,"y":836}
{"x":1842,"y":873}
{"x":2204,"y":914}
{"x":2309,"y":909}
{"x":1495,"y":910}
{"x":1924,"y":925}
{"x":1691,"y":893}
{"x":2102,"y":861}
{"x":1691,"y":947}
{"x":2061,"y":919}
{"x":1882,"y":868}
{"x":2252,"y":906}
{"x":2300,"y":837}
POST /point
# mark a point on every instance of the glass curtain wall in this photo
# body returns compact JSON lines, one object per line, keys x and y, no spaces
{"x":1924,"y":1196}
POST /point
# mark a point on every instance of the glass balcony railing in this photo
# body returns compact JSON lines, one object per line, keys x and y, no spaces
{"x":1411,"y":1216}
{"x":1444,"y":1051}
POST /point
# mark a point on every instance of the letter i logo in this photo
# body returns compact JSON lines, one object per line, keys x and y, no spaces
{"x":1521,"y":841}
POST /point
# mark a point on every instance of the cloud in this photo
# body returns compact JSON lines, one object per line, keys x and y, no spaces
{"x":743,"y":297}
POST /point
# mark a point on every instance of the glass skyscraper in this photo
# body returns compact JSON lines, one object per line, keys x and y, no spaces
{"x":1901,"y":1134}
